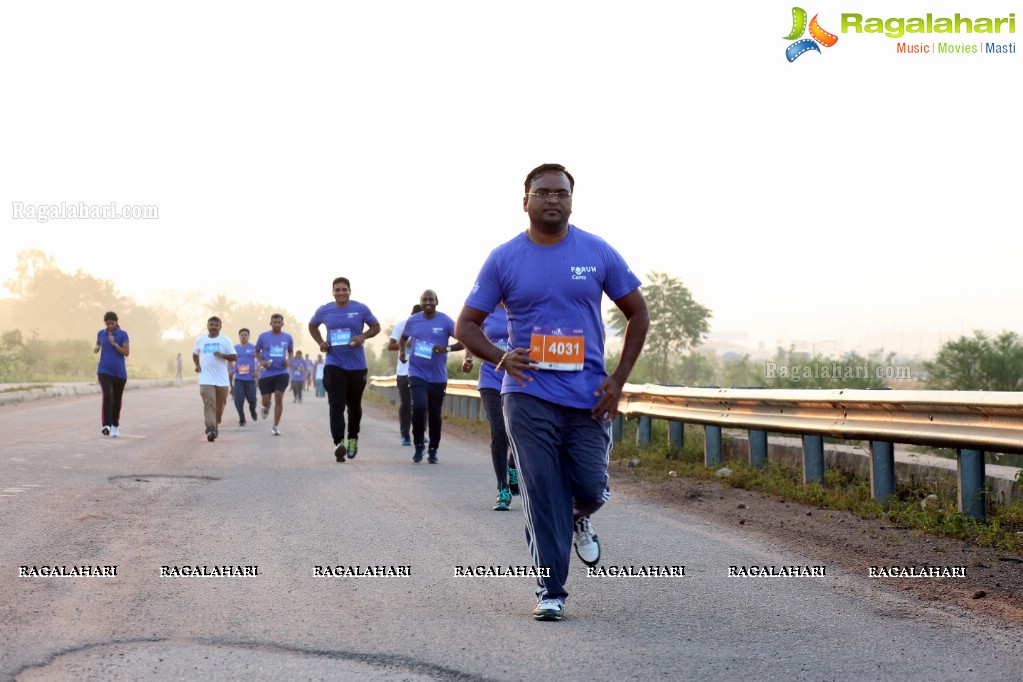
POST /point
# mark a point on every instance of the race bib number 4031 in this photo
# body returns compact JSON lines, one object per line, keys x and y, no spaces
{"x":558,"y":348}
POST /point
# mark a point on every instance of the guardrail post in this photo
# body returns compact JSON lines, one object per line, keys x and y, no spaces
{"x":972,"y":482}
{"x":677,"y":435}
{"x":616,"y":428}
{"x":813,"y":459}
{"x":758,"y":449}
{"x":643,"y":432}
{"x":712,"y":450}
{"x":474,"y":409}
{"x":882,"y":470}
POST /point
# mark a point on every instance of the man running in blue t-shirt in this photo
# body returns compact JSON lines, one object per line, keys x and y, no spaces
{"x":348,"y":323}
{"x":557,"y":397}
{"x":243,"y":379}
{"x":274,"y":351}
{"x":489,"y":387}
{"x":430,"y":332}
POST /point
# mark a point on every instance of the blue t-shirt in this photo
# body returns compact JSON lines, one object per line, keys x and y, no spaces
{"x":245,"y":365}
{"x":425,"y":334}
{"x":553,"y":295}
{"x":342,"y":324}
{"x":298,"y":370}
{"x":496,"y":329}
{"x":275,"y":349}
{"x":110,"y":361}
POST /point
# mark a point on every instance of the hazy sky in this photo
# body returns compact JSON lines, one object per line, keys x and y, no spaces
{"x":855,"y":195}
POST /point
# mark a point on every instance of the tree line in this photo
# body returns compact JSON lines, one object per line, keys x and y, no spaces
{"x":48,"y":328}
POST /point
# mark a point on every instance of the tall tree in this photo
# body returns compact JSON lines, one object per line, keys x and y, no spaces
{"x":182,"y":312}
{"x":677,"y":324}
{"x":59,"y":305}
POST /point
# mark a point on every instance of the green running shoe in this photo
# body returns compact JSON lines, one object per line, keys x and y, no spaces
{"x":503,"y":500}
{"x":353,"y":447}
{"x":513,"y":480}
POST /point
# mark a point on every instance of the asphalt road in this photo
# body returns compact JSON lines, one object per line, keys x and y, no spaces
{"x":162,"y":496}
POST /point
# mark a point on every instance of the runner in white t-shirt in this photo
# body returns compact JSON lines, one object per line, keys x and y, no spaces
{"x":212,"y":354}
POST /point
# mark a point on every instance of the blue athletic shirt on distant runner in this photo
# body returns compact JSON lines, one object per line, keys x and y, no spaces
{"x":342,"y":324}
{"x":298,"y":370}
{"x":425,"y":334}
{"x":245,"y":365}
{"x":496,"y":329}
{"x":110,"y":361}
{"x":551,"y":290}
{"x":275,"y":349}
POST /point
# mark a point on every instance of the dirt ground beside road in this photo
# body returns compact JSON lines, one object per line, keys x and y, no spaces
{"x":993,"y":585}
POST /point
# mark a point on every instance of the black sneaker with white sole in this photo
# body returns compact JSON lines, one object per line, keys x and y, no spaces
{"x":549,"y":609}
{"x":587,"y":546}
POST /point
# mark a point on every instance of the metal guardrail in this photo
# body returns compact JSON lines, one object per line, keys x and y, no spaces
{"x":951,"y":419}
{"x":971,"y":422}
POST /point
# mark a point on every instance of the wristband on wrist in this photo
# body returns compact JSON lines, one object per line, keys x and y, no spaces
{"x":503,"y":358}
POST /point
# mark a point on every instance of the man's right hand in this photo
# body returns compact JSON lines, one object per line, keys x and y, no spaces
{"x":516,"y":362}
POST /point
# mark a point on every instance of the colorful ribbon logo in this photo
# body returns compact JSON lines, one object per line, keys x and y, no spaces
{"x":817,"y":35}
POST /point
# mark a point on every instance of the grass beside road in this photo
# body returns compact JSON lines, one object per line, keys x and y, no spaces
{"x":659,"y":463}
{"x":26,"y":387}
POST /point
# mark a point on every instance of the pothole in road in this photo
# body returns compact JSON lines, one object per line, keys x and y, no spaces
{"x":159,"y":481}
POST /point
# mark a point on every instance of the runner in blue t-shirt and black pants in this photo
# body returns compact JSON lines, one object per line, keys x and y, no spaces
{"x":489,"y":387}
{"x":243,"y":378}
{"x":430,"y":332}
{"x":113,"y":347}
{"x":557,"y":397}
{"x":348,"y":323}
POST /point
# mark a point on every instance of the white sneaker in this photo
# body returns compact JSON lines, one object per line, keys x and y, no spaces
{"x":114,"y":433}
{"x":275,"y":431}
{"x":549,"y":609}
{"x":586,"y":544}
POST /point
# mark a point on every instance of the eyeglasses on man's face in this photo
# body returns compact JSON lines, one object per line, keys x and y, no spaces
{"x":556,"y":196}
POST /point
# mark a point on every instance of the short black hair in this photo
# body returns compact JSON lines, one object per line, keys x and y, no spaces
{"x":244,"y":329}
{"x":213,"y":318}
{"x":417,"y":309}
{"x":277,"y":315}
{"x":341,"y":279}
{"x":110,"y":316}
{"x":545,"y":168}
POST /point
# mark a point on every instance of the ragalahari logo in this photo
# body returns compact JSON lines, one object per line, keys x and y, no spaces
{"x":817,"y":35}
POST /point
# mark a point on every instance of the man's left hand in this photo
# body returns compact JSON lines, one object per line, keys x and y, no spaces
{"x":610,"y":392}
